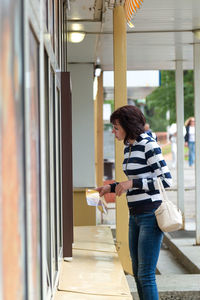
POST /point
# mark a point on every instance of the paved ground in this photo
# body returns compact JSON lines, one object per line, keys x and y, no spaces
{"x":189,"y":195}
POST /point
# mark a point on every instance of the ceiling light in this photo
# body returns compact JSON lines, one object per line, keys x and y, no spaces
{"x":76,"y":27}
{"x":97,"y":71}
{"x":76,"y":36}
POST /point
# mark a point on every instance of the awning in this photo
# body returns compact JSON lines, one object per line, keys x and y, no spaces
{"x":131,"y":7}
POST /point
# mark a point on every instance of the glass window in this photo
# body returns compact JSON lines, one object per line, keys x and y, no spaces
{"x":48,"y":206}
{"x":53,"y":183}
{"x":51,"y":22}
{"x":58,"y":168}
{"x":34,"y":164}
{"x":63,"y":38}
{"x":45,"y":13}
{"x":57,"y":30}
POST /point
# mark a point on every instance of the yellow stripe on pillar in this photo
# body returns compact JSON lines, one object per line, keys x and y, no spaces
{"x":120,"y":99}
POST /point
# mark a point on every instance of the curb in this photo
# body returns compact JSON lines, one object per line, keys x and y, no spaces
{"x":184,"y":260}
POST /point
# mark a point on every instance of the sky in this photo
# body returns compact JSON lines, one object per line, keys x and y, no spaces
{"x":134,"y":78}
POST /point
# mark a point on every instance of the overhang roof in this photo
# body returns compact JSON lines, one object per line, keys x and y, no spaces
{"x":163,"y":33}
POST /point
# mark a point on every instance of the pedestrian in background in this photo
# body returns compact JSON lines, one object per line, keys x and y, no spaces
{"x":190,"y":139}
{"x":149,"y":132}
{"x":143,"y":164}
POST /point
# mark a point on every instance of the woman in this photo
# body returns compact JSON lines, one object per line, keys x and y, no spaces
{"x":190,"y":139}
{"x":143,"y":163}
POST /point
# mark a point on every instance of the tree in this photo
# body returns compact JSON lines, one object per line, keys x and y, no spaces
{"x":163,"y":99}
{"x":188,"y":94}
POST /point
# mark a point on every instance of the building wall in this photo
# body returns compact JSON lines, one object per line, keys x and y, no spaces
{"x":32,"y":58}
{"x":12,"y":185}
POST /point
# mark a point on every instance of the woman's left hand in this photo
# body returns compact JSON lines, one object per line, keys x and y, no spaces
{"x":123,"y":186}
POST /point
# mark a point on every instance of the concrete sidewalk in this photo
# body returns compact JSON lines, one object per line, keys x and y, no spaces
{"x":95,"y":272}
{"x":182,"y":246}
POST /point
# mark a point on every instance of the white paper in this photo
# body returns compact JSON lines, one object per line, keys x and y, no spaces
{"x":93,"y":199}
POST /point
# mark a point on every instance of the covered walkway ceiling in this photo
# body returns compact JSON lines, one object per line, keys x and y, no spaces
{"x":163,"y":33}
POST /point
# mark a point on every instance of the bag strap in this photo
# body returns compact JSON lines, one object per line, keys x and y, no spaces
{"x":162,"y":189}
{"x":160,"y":184}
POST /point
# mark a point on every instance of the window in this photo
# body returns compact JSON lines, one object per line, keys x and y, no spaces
{"x":48,"y":204}
{"x":51,"y":22}
{"x":57,"y":30}
{"x":33,"y":172}
{"x":45,"y":13}
{"x":58,"y":169}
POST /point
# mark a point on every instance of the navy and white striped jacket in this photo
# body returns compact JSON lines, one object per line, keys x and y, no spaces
{"x":143,"y":163}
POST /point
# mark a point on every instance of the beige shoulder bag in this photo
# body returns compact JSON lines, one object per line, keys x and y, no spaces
{"x":168,"y":216}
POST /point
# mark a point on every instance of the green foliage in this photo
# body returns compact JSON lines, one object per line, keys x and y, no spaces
{"x":188,"y":94}
{"x":107,"y":126}
{"x":164,"y":98}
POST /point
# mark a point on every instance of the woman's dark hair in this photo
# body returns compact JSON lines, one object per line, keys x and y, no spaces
{"x":131,"y":119}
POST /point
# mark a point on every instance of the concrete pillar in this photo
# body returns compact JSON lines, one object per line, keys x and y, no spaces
{"x":120,"y":98}
{"x":82,"y":141}
{"x":197,"y":135}
{"x":180,"y":137}
{"x":82,"y":125}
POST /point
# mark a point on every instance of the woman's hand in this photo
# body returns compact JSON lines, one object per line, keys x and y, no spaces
{"x":103,"y":190}
{"x":122,"y":187}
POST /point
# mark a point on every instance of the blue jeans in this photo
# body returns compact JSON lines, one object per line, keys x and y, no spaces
{"x":191,"y":146}
{"x":145,"y":240}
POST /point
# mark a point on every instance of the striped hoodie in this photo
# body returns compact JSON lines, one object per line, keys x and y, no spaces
{"x":143,"y":163}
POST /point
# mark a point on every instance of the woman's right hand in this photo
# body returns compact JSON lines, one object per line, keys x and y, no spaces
{"x":103,"y":190}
